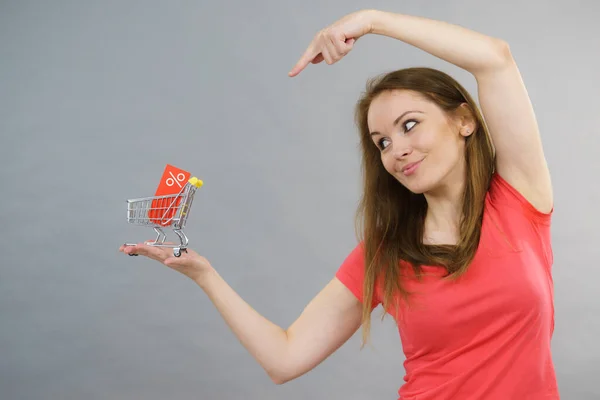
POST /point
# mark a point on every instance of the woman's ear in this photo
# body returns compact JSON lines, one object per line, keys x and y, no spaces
{"x":465,"y":120}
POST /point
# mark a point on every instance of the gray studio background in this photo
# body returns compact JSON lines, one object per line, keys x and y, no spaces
{"x":95,"y":99}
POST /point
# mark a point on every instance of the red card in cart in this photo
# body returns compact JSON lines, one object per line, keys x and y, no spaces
{"x":171,"y":183}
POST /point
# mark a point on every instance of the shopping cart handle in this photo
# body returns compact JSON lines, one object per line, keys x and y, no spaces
{"x":195,"y":182}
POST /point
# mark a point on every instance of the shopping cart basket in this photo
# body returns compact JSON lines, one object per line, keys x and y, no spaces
{"x":165,"y":211}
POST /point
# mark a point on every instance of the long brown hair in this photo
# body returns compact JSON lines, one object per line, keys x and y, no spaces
{"x":390,"y":219}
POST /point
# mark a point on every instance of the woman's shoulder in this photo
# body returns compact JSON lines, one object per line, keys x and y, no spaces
{"x":504,"y":198}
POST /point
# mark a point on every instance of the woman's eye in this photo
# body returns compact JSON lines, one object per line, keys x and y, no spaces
{"x":382,"y":143}
{"x":408,"y":125}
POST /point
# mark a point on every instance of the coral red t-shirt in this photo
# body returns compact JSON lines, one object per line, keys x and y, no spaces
{"x":486,"y":336}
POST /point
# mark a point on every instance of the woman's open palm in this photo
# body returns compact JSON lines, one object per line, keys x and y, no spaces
{"x":190,"y":263}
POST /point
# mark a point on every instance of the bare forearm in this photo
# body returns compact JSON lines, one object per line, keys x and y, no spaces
{"x":265,"y":341}
{"x":462,"y":47}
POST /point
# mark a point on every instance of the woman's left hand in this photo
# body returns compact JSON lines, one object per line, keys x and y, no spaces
{"x":335,"y":41}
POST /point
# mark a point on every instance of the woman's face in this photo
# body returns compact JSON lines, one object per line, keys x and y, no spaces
{"x":420,"y":144}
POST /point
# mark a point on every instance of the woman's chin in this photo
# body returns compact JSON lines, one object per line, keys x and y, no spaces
{"x":414,"y":186}
{"x":418,"y":185}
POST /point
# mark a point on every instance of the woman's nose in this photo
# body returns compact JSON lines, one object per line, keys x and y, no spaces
{"x":401,"y":149}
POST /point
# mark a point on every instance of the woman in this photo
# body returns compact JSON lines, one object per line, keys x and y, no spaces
{"x":455,"y":232}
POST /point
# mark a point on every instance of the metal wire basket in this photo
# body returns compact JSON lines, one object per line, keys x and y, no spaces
{"x":160,"y":212}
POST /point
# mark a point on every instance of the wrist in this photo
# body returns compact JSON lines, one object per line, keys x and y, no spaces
{"x":374,"y":20}
{"x":204,"y":278}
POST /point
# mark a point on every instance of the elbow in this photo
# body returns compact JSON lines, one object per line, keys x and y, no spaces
{"x":283,"y":373}
{"x":503,"y":51}
{"x":279,"y":378}
{"x":278,"y":374}
{"x":499,"y":57}
{"x":286,"y":368}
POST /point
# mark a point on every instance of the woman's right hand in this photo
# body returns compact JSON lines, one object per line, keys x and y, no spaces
{"x":190,"y":263}
{"x":335,"y":41}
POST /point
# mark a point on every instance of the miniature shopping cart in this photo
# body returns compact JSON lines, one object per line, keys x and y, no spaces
{"x":159,"y":212}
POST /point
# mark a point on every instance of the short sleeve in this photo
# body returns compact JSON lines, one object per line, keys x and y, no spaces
{"x":503,"y":193}
{"x":520,"y":218}
{"x":352,"y":273}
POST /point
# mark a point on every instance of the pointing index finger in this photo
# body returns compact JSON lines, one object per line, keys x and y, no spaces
{"x":306,"y":58}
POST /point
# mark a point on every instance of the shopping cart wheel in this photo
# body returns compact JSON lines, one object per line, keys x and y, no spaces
{"x":177,"y":251}
{"x":131,"y":244}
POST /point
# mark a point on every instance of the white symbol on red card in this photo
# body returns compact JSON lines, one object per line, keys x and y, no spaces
{"x":171,"y":183}
{"x":173,"y":180}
